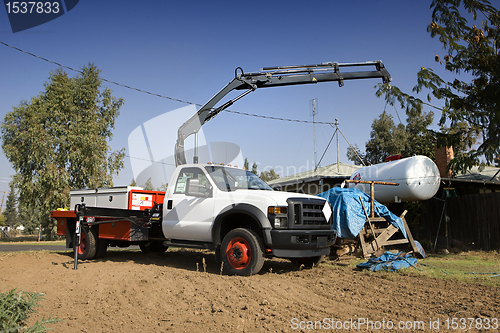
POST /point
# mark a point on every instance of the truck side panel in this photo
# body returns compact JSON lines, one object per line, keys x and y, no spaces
{"x":119,"y":230}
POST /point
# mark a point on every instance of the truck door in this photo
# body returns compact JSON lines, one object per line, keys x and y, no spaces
{"x":189,"y":217}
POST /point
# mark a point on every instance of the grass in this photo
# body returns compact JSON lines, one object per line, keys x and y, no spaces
{"x":470,"y":267}
{"x":29,"y":239}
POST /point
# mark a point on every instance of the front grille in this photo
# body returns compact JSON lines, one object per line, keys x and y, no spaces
{"x":313,"y":215}
{"x":307,"y":213}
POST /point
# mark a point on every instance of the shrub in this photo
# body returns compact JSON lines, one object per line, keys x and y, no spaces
{"x":15,"y":309}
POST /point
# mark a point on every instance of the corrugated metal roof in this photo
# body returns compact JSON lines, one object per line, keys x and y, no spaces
{"x":330,"y":171}
{"x":486,"y":174}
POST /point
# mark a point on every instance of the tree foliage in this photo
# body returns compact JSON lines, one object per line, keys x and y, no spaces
{"x":10,"y":212}
{"x":388,"y":139}
{"x":148,"y":185}
{"x":269,"y":175}
{"x":471,"y":107}
{"x":254,"y":169}
{"x":59,"y":140}
{"x":385,"y":139}
{"x":264,"y":175}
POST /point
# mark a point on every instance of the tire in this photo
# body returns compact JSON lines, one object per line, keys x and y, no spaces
{"x":242,"y":252}
{"x":308,"y":262}
{"x":88,"y":247}
{"x":153,"y":247}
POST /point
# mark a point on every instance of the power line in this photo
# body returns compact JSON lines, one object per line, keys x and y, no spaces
{"x":106,"y":80}
{"x":148,"y":160}
{"x":282,"y":119}
{"x":162,"y":96}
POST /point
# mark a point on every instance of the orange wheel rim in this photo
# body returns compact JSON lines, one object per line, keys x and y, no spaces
{"x":238,"y":253}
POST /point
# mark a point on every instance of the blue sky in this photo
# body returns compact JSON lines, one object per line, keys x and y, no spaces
{"x":189,"y":50}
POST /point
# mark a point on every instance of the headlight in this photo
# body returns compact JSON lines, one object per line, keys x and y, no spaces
{"x":280,"y":222}
{"x":278,"y":216}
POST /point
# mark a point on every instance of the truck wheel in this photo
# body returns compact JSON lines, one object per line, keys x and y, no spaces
{"x":153,"y":247}
{"x":87,"y":248}
{"x":242,"y":252}
{"x":307,"y":262}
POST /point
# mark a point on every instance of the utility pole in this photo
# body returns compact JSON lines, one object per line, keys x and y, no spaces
{"x":1,"y":206}
{"x":314,"y":133}
{"x":337,"y":131}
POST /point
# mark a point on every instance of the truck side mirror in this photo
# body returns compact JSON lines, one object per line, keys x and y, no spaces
{"x":195,"y":189}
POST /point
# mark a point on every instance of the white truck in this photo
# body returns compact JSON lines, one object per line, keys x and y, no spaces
{"x":207,"y":206}
{"x":210,"y":206}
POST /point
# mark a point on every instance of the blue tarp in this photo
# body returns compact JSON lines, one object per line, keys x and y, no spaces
{"x":389,"y":262}
{"x":348,"y":215}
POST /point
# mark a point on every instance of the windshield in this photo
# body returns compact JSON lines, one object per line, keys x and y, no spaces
{"x":230,"y":179}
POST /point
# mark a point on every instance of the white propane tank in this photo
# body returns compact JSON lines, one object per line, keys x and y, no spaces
{"x":418,"y":179}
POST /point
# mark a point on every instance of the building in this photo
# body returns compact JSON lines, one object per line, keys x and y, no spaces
{"x":315,"y":181}
{"x":476,"y":181}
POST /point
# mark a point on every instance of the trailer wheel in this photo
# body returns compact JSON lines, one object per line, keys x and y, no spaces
{"x":87,"y":248}
{"x":153,"y":247}
{"x":242,"y":252}
{"x":308,"y":262}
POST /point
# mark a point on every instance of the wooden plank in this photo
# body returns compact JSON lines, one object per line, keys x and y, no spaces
{"x":364,"y":246}
{"x":367,"y":218}
{"x":378,"y":219}
{"x":388,"y":233}
{"x":409,"y":235}
{"x":397,"y":241}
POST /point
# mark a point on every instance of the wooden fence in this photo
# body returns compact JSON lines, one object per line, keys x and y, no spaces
{"x":473,"y":221}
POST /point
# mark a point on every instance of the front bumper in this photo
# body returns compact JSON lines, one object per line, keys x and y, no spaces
{"x":302,"y":243}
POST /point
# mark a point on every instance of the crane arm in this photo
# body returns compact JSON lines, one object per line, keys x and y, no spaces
{"x":272,"y":77}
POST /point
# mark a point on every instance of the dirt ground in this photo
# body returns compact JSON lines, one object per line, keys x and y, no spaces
{"x":132,"y":292}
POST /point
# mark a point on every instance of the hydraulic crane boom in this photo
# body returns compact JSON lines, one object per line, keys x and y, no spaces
{"x":271,"y":77}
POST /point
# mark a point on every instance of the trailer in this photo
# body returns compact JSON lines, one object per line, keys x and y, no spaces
{"x":123,"y":219}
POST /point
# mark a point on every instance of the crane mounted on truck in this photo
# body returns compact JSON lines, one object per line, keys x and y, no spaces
{"x":211,"y":206}
{"x":271,"y":77}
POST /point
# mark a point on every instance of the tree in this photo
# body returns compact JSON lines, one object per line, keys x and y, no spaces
{"x":246,"y":165}
{"x":269,"y":175}
{"x":30,"y":220}
{"x":59,"y":140}
{"x":471,"y":107}
{"x":133,"y":183}
{"x":148,"y":185}
{"x":163,"y":187}
{"x":419,"y":139}
{"x":254,"y":169}
{"x":10,"y":212}
{"x":388,"y":139}
{"x":355,"y":155}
